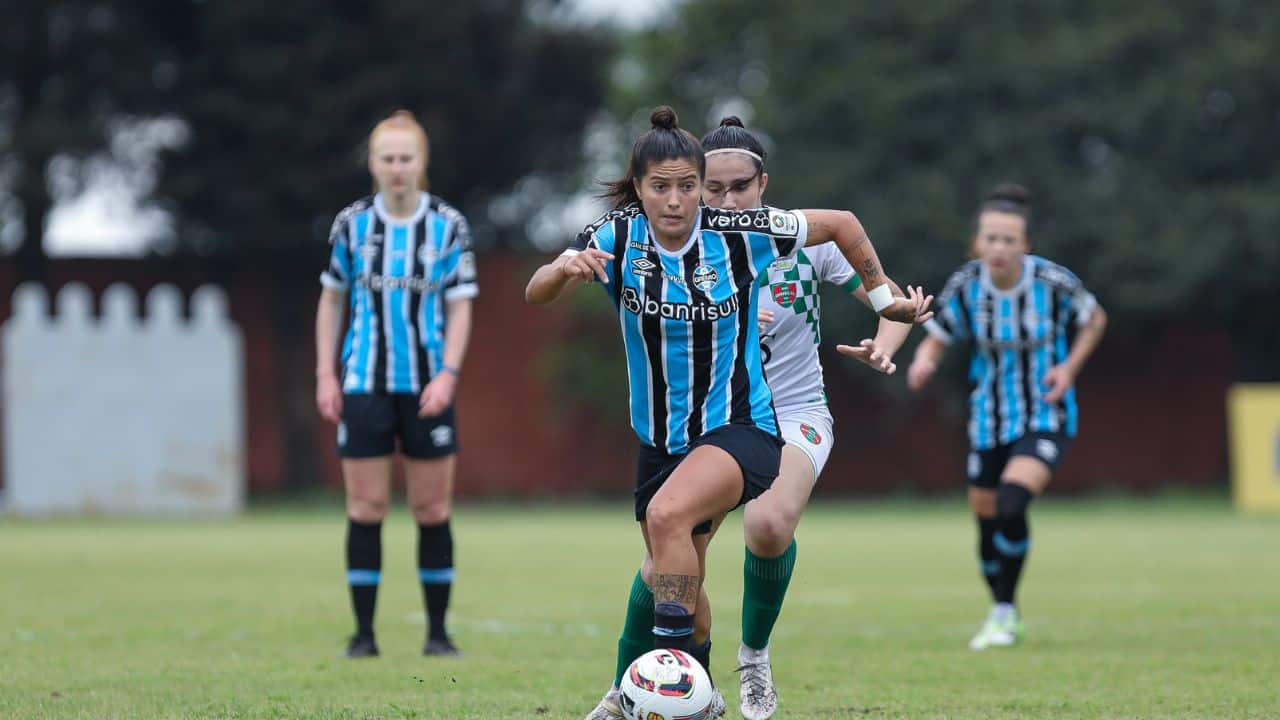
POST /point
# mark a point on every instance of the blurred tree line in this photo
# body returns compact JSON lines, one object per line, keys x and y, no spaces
{"x":1149,"y":134}
{"x":279,"y":98}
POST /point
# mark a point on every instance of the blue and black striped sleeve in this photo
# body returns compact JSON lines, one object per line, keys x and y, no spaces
{"x":951,"y":320}
{"x":459,"y":260}
{"x":337,"y":275}
{"x":1069,"y":291}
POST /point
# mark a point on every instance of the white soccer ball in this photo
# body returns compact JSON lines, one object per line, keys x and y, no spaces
{"x":666,"y":685}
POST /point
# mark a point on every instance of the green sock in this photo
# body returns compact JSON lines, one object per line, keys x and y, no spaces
{"x":637,"y":629}
{"x":764,"y":585}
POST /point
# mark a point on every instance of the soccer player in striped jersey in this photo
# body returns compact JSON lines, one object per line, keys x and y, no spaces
{"x":790,"y":310}
{"x":401,"y":261}
{"x":683,"y":279}
{"x":1031,"y":325}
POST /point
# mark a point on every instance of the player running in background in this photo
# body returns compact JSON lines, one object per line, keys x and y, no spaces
{"x":1031,"y":326}
{"x":683,"y":279}
{"x":402,"y":261}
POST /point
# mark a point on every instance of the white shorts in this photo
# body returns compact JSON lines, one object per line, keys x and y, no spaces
{"x":808,"y":429}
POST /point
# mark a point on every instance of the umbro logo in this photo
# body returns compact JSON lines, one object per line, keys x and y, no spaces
{"x":643,"y":266}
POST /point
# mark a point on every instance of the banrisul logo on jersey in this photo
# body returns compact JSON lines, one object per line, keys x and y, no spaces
{"x":687,"y":312}
{"x":784,"y":293}
{"x":810,"y":433}
{"x":705,"y":277}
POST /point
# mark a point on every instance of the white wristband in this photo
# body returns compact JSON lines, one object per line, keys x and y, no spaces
{"x":881,"y":297}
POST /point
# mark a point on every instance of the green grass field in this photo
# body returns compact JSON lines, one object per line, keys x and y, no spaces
{"x":1157,"y":609}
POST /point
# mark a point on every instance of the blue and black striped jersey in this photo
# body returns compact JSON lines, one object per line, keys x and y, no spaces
{"x":688,"y":318}
{"x":1017,"y":335}
{"x":400,"y":274}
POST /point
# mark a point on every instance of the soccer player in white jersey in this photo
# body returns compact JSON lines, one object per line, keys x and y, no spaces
{"x":1031,"y":325}
{"x":683,"y":280}
{"x":790,"y":315}
{"x":401,"y":263}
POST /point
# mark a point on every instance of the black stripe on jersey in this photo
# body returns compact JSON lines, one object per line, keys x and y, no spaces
{"x":740,"y":386}
{"x":1059,"y":408}
{"x":420,"y":237}
{"x":621,"y":241}
{"x":379,"y":234}
{"x":1023,"y":336}
{"x":651,"y":328}
{"x":987,"y":307}
{"x":700,"y":337}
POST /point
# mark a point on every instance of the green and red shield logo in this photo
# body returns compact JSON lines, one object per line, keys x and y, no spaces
{"x":810,"y":434}
{"x":784,"y":293}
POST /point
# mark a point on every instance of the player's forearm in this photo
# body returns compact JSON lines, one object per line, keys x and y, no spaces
{"x":1087,"y":341}
{"x":931,"y":349}
{"x":329,"y":316}
{"x":890,"y":335}
{"x":844,"y":229}
{"x":547,"y":283}
{"x":457,"y":334}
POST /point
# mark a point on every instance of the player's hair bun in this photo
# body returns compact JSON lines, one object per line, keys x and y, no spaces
{"x":1010,"y":193}
{"x":664,"y":117}
{"x":403,"y":114}
{"x":731,"y":121}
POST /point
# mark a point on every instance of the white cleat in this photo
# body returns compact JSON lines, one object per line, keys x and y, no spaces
{"x":1001,"y":629}
{"x":608,"y":708}
{"x":718,"y":705}
{"x":759,"y":699}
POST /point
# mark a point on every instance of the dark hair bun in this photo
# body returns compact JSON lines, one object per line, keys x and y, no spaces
{"x":1010,"y":193}
{"x":663,"y":117}
{"x":732,"y":121}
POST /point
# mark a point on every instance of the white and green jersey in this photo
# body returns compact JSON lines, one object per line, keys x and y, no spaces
{"x":789,"y":345}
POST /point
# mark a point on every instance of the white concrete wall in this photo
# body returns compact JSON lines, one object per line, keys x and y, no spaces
{"x":118,"y":415}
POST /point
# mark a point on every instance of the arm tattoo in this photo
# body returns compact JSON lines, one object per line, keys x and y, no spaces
{"x":676,"y":588}
{"x":870,"y":270}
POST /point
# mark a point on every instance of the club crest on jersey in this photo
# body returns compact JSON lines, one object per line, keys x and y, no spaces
{"x":810,"y":433}
{"x":705,"y":277}
{"x":426,"y":254}
{"x":784,"y":293}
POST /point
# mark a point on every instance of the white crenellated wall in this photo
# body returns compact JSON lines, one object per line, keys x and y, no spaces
{"x":121,"y":415}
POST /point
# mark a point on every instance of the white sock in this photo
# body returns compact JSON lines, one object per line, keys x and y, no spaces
{"x":751,"y":655}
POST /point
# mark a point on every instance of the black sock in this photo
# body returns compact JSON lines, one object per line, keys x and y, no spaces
{"x":364,"y":571}
{"x":1013,"y":539}
{"x":672,"y":626}
{"x":435,"y":571}
{"x":702,"y":653}
{"x":988,"y":557}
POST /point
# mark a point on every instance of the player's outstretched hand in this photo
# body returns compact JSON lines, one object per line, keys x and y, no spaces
{"x":588,"y":264}
{"x":914,"y":308}
{"x":437,"y":396}
{"x":329,"y":397}
{"x":868,"y":352}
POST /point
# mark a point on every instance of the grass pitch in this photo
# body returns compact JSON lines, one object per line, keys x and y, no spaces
{"x":1159,"y":609}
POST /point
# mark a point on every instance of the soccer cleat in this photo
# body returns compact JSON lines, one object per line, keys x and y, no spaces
{"x":608,"y":707}
{"x":1003,"y":628}
{"x":759,"y":699}
{"x":441,"y":647}
{"x":718,"y":705}
{"x":361,"y":646}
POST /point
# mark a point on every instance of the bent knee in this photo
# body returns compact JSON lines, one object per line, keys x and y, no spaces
{"x":367,"y":510}
{"x":770,"y":534}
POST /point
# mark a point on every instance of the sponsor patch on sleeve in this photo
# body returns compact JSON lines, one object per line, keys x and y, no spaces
{"x":782,"y":222}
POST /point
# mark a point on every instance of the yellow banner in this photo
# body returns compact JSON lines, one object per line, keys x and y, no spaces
{"x":1254,"y":415}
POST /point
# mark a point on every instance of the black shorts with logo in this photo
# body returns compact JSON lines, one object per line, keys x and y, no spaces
{"x":985,"y":467}
{"x":373,"y":422}
{"x":758,"y":453}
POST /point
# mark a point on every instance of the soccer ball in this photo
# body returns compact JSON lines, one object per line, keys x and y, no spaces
{"x":666,"y":685}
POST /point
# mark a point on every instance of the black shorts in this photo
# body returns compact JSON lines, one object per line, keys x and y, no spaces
{"x":987,"y":466}
{"x":372,"y":422}
{"x":758,"y":453}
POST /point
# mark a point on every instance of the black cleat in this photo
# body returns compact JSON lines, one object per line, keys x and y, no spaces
{"x":440,"y":646}
{"x":361,"y":646}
